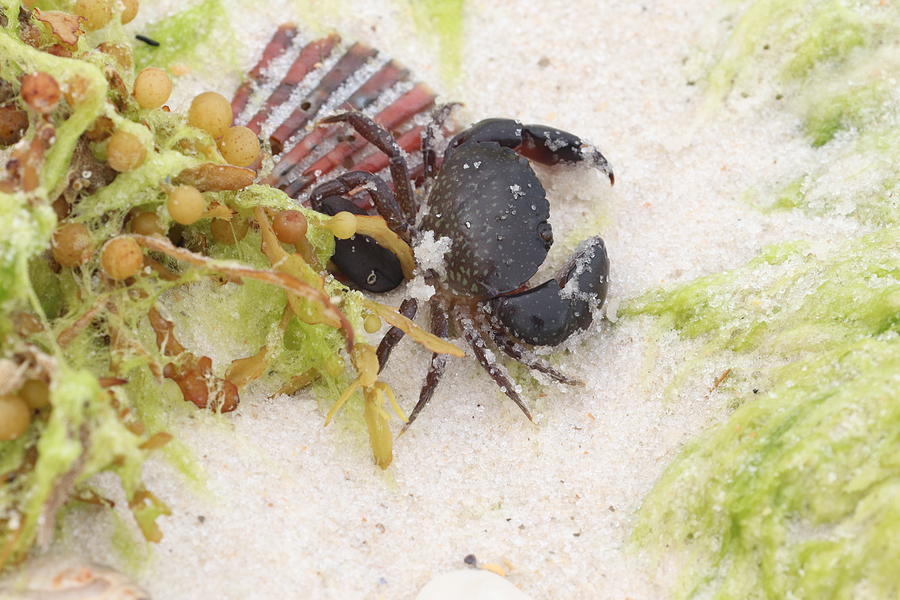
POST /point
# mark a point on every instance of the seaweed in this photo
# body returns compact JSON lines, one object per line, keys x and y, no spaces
{"x":836,"y":64}
{"x":443,"y":20}
{"x":796,"y":491}
{"x":102,"y":342}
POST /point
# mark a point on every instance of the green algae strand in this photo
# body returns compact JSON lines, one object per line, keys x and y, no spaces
{"x":796,"y":493}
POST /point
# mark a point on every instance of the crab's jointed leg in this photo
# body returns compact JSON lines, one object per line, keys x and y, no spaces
{"x":517,"y":351}
{"x":381,"y":195}
{"x":368,"y":93}
{"x":429,"y":155}
{"x":475,"y":336}
{"x":408,"y":309}
{"x":404,"y":108}
{"x":440,"y":326}
{"x":382,"y":139}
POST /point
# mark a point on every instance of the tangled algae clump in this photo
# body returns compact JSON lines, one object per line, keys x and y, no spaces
{"x":121,"y":218}
{"x":797,"y":493}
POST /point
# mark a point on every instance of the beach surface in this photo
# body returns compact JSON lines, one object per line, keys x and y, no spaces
{"x":289,"y":508}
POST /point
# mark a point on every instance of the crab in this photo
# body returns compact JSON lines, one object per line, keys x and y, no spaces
{"x":482,"y":196}
{"x":486,"y":199}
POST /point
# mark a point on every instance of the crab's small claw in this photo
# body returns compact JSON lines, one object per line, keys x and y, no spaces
{"x":546,"y":145}
{"x":548,"y":314}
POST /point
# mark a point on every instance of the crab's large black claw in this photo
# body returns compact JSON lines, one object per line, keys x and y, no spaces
{"x":361,"y":261}
{"x":548,"y":314}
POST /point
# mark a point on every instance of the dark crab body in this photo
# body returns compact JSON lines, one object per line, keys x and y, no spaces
{"x":490,"y":204}
{"x":483,"y":195}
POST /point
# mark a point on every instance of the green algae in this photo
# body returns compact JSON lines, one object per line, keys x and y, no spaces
{"x":160,"y":407}
{"x":19,"y":58}
{"x":133,"y":550}
{"x":851,"y":292}
{"x":844,"y":110}
{"x":89,"y":428}
{"x":30,"y":226}
{"x":805,"y":42}
{"x":791,"y":196}
{"x":860,"y":181}
{"x":443,"y":21}
{"x":189,"y":37}
{"x":107,"y":208}
{"x":796,"y":492}
{"x":837,"y":63}
{"x":833,"y":32}
{"x":81,"y":437}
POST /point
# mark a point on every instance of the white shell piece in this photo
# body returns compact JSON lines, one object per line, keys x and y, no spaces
{"x":471,"y":584}
{"x":51,"y":580}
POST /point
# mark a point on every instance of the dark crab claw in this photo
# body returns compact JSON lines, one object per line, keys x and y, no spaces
{"x":548,"y":314}
{"x":549,"y":145}
{"x":540,"y":143}
{"x":361,"y":261}
{"x":599,"y":161}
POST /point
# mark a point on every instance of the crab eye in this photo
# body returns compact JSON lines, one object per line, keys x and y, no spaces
{"x":546,"y":232}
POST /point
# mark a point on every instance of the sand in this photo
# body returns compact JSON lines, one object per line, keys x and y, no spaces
{"x":292,"y":509}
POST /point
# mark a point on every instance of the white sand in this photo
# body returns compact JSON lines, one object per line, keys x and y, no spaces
{"x":297,"y":510}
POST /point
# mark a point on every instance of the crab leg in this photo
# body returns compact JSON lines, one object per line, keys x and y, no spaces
{"x":540,"y":143}
{"x":386,"y":77}
{"x":417,"y":174}
{"x":440,"y":326}
{"x":382,"y":139}
{"x":408,"y":309}
{"x":399,"y":112}
{"x":429,"y":156}
{"x":520,"y":353}
{"x":409,"y":141}
{"x":277,"y":46}
{"x":479,"y":348}
{"x":381,"y":194}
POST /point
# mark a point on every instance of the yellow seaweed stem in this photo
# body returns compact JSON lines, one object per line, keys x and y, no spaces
{"x":244,"y":370}
{"x":293,"y":265}
{"x":365,"y":359}
{"x":377,"y":422}
{"x":332,"y":315}
{"x":429,"y":340}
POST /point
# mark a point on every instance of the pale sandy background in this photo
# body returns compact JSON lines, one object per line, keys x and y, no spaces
{"x":294,"y":510}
